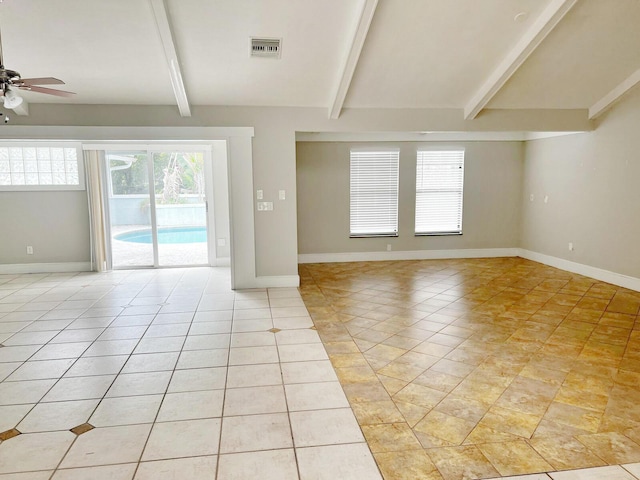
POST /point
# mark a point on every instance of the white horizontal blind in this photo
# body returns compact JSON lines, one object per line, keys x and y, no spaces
{"x":374,"y":193}
{"x":439,"y":191}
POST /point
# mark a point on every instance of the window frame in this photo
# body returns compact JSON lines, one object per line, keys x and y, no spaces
{"x":373,"y":150}
{"x":460,"y":190}
{"x":47,"y":187}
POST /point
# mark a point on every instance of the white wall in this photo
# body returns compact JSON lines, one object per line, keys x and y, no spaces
{"x":491,"y":209}
{"x":592,"y":181}
{"x":221,"y":198}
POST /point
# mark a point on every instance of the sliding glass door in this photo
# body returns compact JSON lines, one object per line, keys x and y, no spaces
{"x":181,"y":208}
{"x":162,"y":221}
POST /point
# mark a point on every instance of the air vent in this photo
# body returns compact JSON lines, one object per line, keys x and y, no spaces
{"x":265,"y":47}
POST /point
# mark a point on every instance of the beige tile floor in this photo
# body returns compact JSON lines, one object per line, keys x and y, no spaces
{"x":461,"y":369}
{"x":167,"y":374}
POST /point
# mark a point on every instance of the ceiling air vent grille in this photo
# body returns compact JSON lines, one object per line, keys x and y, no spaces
{"x":265,"y":47}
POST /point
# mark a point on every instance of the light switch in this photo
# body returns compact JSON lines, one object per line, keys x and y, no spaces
{"x":281,"y":194}
{"x":222,"y":242}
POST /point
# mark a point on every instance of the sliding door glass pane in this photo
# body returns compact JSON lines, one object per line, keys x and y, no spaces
{"x":180,"y":208}
{"x":129,"y":209}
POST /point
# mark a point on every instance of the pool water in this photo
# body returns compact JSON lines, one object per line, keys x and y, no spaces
{"x":166,"y":235}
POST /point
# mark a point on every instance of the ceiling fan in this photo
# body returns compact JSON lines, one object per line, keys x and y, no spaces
{"x":11,"y":79}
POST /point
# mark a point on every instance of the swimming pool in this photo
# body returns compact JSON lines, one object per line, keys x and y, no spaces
{"x":166,"y":235}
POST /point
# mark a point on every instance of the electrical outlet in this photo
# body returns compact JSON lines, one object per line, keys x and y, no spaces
{"x":29,"y":250}
{"x":222,"y":242}
{"x":388,"y":247}
{"x":531,"y":197}
{"x":571,"y":246}
{"x":259,"y":194}
{"x":281,"y":194}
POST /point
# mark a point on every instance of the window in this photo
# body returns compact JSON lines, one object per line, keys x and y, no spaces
{"x":41,"y":166}
{"x":374,"y":193}
{"x":439,"y":182}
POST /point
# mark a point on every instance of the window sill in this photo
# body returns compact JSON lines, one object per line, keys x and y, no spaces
{"x":438,"y":234}
{"x":373,"y":235}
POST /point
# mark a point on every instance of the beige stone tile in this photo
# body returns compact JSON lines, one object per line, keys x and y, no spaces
{"x":597,"y":473}
{"x":612,"y":447}
{"x":390,"y":437}
{"x":412,"y":413}
{"x":356,"y":374}
{"x":549,"y":428}
{"x":447,"y":427}
{"x":407,"y":465}
{"x":511,"y":340}
{"x":419,"y":395}
{"x":372,"y":413}
{"x":401,"y":371}
{"x":483,"y":434}
{"x":458,"y":463}
{"x":365,"y":392}
{"x":514,"y":458}
{"x":573,"y":416}
{"x":565,"y":452}
{"x":457,"y":369}
{"x":469,"y":409}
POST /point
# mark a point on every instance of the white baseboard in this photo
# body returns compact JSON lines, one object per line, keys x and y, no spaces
{"x":18,"y":268}
{"x":407,"y":255}
{"x":223,"y":262}
{"x":608,"y":276}
{"x":276,"y":281}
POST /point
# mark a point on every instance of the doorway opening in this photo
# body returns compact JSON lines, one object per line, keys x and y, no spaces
{"x":161,"y":206}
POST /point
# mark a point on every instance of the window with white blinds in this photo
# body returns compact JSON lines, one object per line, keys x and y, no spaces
{"x":439,"y":185}
{"x":374,"y":193}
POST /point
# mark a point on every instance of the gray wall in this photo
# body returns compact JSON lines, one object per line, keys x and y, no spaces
{"x":593,"y":184}
{"x":274,"y":150}
{"x":491,"y":211}
{"x":56,"y":224}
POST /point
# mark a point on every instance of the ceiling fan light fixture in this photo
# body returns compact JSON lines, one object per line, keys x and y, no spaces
{"x":12,"y":99}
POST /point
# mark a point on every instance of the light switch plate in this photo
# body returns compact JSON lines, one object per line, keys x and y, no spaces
{"x":265,"y":206}
{"x":282,"y":194}
{"x":259,"y":194}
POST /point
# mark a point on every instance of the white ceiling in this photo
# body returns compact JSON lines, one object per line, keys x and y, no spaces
{"x":416,"y":53}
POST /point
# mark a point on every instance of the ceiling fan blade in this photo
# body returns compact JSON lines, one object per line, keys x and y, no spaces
{"x":39,"y":81}
{"x":49,"y":91}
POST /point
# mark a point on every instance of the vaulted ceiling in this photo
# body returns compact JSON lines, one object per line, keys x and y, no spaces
{"x":465,"y":54}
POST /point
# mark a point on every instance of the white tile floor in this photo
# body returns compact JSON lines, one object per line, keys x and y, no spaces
{"x":179,"y":376}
